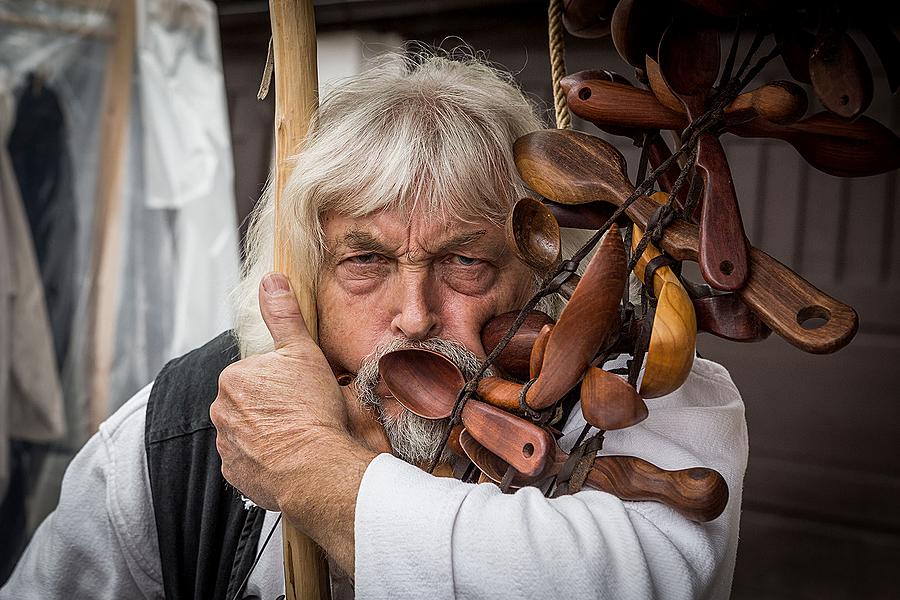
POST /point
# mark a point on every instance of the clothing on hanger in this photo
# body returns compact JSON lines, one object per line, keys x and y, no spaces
{"x":38,"y":149}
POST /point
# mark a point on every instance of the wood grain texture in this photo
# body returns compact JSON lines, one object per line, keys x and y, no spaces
{"x":700,"y":494}
{"x":588,"y":323}
{"x":689,"y":63}
{"x":296,"y":99}
{"x":427,"y":384}
{"x":573,"y":168}
{"x":672,"y":342}
{"x":515,"y":358}
{"x":520,"y":443}
{"x":833,"y":145}
{"x":608,"y":402}
{"x":674,"y":336}
{"x":423,"y":381}
{"x":536,"y":360}
{"x":723,"y":244}
{"x":781,"y":102}
{"x":533,"y":234}
{"x":501,"y":393}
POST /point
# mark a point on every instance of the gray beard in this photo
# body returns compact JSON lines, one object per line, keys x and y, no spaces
{"x":413,"y":438}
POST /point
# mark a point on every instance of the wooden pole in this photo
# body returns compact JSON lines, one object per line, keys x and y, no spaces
{"x":106,"y":254}
{"x":296,"y":85}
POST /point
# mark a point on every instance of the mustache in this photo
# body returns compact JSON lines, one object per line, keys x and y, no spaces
{"x":413,"y":438}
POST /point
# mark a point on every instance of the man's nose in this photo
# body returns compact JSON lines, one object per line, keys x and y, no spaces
{"x":416,"y":316}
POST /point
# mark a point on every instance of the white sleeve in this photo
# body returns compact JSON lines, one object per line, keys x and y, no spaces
{"x":100,"y":542}
{"x":419,"y":536}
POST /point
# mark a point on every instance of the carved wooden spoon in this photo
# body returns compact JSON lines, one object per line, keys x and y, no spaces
{"x":575,"y":168}
{"x":588,"y":323}
{"x":427,"y":383}
{"x":689,"y":62}
{"x":699,"y":494}
{"x":515,"y":358}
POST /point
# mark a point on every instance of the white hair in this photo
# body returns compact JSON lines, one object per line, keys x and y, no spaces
{"x":417,"y":133}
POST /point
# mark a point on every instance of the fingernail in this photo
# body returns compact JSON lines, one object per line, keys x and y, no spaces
{"x":276,"y":284}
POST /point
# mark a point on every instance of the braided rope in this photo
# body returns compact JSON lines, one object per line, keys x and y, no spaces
{"x":558,"y":64}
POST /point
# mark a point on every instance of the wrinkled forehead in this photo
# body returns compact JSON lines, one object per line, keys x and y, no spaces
{"x":395,"y":230}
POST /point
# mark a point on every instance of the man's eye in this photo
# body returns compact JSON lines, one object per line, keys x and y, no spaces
{"x":364,"y":259}
{"x":465,"y":261}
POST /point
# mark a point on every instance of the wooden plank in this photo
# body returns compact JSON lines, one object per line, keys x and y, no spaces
{"x":108,"y":211}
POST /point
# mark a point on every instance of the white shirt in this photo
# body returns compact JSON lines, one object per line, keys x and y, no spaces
{"x":419,"y":536}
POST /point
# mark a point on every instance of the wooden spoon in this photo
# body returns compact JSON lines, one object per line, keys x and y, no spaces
{"x":698,"y":493}
{"x":588,"y":323}
{"x":608,"y":402}
{"x":674,"y":336}
{"x":426,"y":383}
{"x":587,"y":18}
{"x":573,"y":167}
{"x":635,"y":27}
{"x":782,"y":102}
{"x":533,"y":233}
{"x":689,"y":62}
{"x":728,"y":317}
{"x":796,"y":46}
{"x":657,"y":149}
{"x":839,"y":74}
{"x":833,"y":144}
{"x":515,"y":358}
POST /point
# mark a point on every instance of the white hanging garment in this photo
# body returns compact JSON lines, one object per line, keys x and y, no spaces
{"x":180,"y":236}
{"x":31,"y":406}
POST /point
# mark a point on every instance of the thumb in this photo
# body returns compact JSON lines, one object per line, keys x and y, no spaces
{"x":281,"y":312}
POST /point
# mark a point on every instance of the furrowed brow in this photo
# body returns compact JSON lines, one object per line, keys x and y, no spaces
{"x":460,"y":241}
{"x":361,"y":241}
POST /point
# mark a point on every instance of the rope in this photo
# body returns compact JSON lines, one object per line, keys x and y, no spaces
{"x":558,"y":64}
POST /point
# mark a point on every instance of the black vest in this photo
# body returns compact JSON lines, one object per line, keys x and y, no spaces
{"x":207,"y":539}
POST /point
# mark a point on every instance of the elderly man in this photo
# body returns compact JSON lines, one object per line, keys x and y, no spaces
{"x":397,"y":205}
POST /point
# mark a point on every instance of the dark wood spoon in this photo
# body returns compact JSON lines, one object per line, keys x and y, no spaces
{"x":650,"y":139}
{"x":587,"y":18}
{"x":689,"y":63}
{"x":635,"y":28}
{"x":698,"y":493}
{"x":572,"y":167}
{"x":426,"y":383}
{"x":840,"y":76}
{"x":834,"y":145}
{"x":588,"y":323}
{"x":515,"y":358}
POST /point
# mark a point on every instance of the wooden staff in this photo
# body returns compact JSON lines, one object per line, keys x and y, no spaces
{"x":296,"y":85}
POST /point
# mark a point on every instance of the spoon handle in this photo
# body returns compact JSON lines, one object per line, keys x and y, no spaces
{"x":522,"y":444}
{"x":723,"y":244}
{"x":699,"y":493}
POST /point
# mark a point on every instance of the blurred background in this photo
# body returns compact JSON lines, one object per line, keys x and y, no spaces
{"x":117,"y":241}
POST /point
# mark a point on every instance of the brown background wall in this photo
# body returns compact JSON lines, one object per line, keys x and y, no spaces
{"x":822,"y":491}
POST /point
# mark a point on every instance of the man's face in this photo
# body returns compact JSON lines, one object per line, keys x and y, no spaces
{"x":387,"y":276}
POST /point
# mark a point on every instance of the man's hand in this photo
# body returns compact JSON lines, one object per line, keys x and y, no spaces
{"x":274,"y":411}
